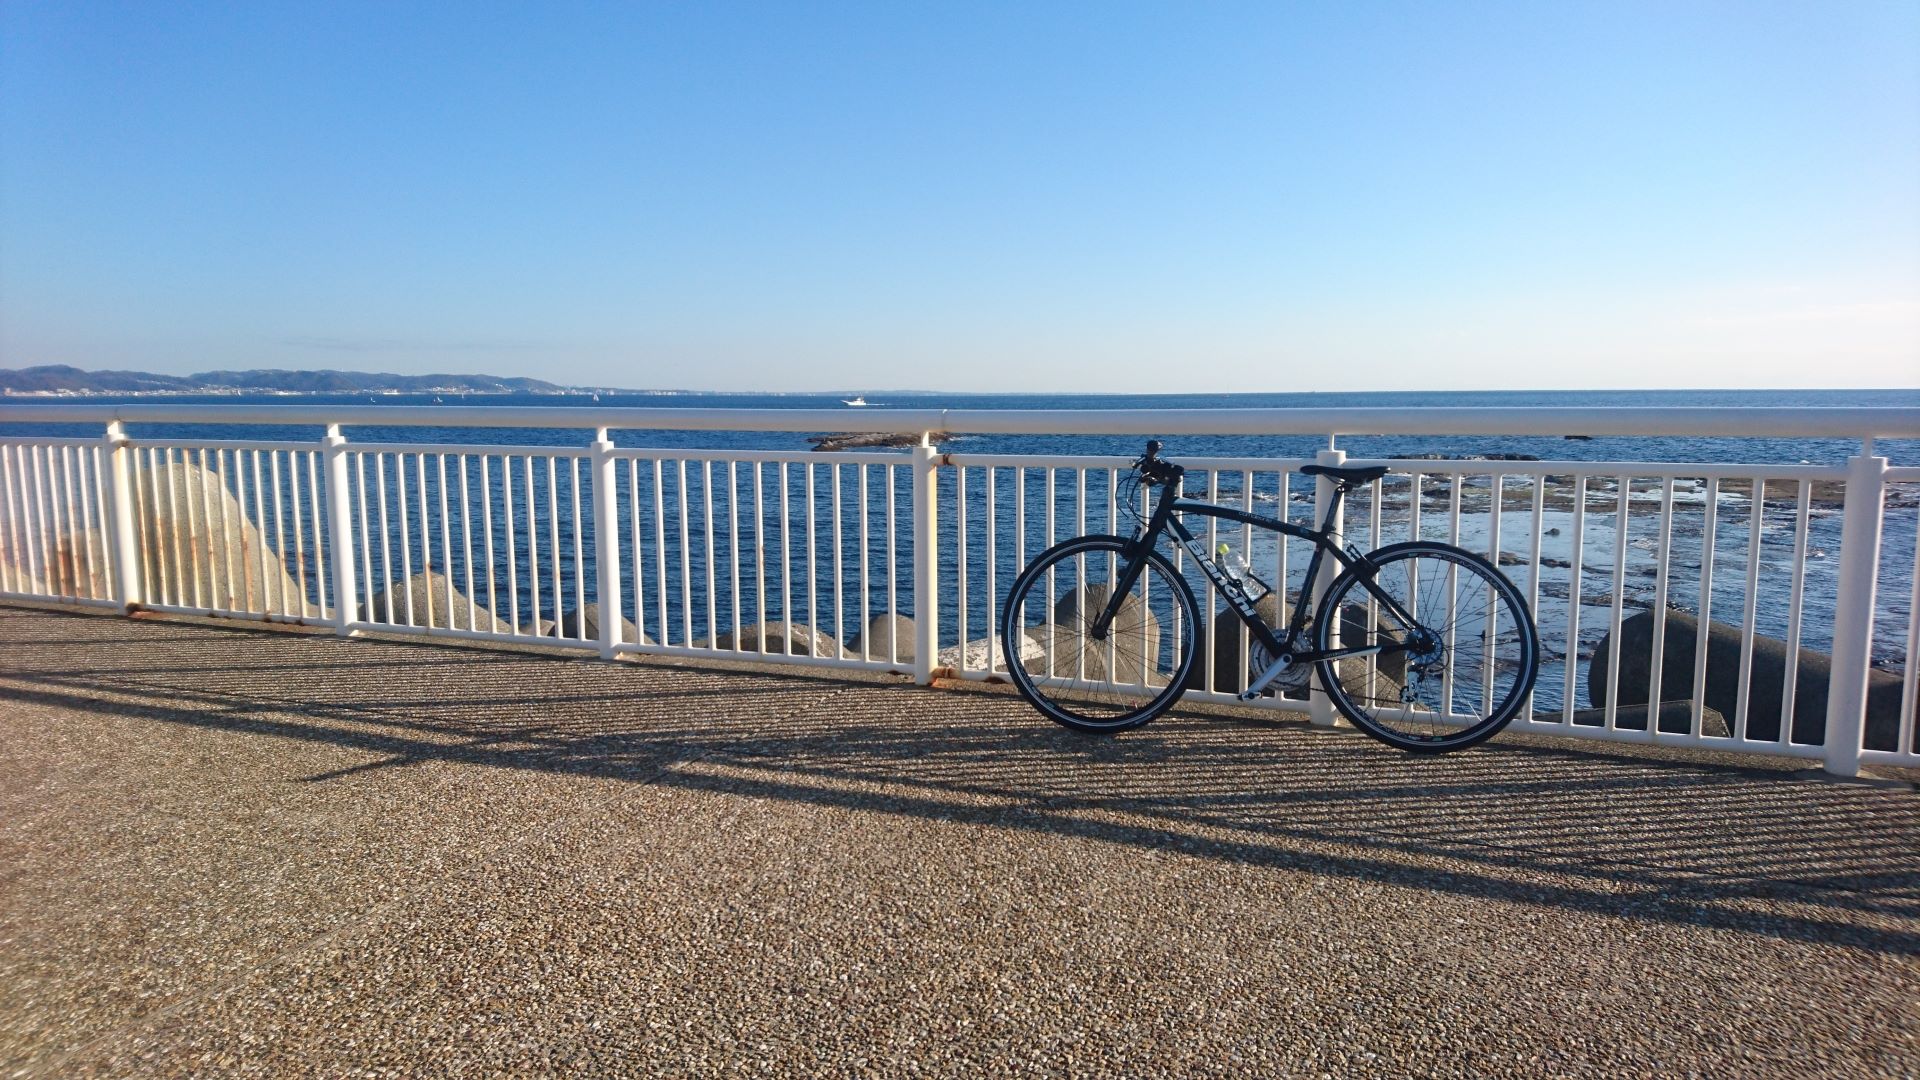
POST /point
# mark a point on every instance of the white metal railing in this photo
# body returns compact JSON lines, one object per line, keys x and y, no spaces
{"x":899,"y":561}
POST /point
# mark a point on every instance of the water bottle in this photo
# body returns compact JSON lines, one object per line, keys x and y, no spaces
{"x":1250,"y":581}
{"x":1237,"y":570}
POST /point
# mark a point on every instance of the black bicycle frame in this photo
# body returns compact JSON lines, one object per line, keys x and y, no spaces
{"x":1166,"y":516}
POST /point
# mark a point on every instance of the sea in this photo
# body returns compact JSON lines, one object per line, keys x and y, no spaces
{"x":1599,"y":448}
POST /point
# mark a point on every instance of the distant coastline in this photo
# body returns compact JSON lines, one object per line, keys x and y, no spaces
{"x":60,"y":380}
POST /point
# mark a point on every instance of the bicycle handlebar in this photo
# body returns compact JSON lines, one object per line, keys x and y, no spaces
{"x":1154,"y":470}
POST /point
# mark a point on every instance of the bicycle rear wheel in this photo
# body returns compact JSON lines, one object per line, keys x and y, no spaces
{"x":1105,"y":683}
{"x":1451,"y":680}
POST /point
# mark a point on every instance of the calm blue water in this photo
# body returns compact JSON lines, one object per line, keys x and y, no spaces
{"x":1598,"y":449}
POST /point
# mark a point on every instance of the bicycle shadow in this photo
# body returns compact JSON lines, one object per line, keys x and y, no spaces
{"x":1585,"y":829}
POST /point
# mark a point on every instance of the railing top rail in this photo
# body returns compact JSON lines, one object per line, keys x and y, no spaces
{"x":1863,"y":422}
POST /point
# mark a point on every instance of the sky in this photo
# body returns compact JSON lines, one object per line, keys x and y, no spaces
{"x":1113,"y":196}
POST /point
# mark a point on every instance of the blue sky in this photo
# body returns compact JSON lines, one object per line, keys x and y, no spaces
{"x":1116,"y":196}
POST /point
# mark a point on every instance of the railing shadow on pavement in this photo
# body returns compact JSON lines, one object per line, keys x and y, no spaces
{"x":1585,"y":828}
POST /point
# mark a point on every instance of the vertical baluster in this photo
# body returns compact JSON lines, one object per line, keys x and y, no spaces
{"x":608,"y":611}
{"x":760,"y":551}
{"x":260,"y":515}
{"x":1910,"y":670}
{"x":1019,"y":556}
{"x":733,"y":540}
{"x":1533,"y":576}
{"x":686,"y":568}
{"x":639,"y":553}
{"x":386,"y":544}
{"x":88,"y":526}
{"x":866,"y":582}
{"x":513,"y":556}
{"x":1376,"y":510}
{"x":1211,"y":604}
{"x":1663,"y":554}
{"x":560,"y":628}
{"x":1757,"y":509}
{"x":706,"y":524}
{"x":1574,"y":595}
{"x":1053,"y":589}
{"x":533,"y":545}
{"x":66,"y":572}
{"x":279,"y":527}
{"x":1802,"y":510}
{"x":1620,"y":525}
{"x":299,"y":531}
{"x":839,"y":550}
{"x":366,"y":542}
{"x":1707,"y":544}
{"x":660,"y":554}
{"x":993,"y":592}
{"x":192,"y":479}
{"x":1243,"y":679}
{"x":11,"y":566}
{"x":1490,"y":635}
{"x":402,"y":511}
{"x":316,"y":511}
{"x":893,"y":572}
{"x":443,"y":609}
{"x":446,"y":542}
{"x":466,"y":540}
{"x":1080,"y":569}
{"x":203,"y":483}
{"x":243,"y":583}
{"x":813,"y":576}
{"x":13,"y":569}
{"x":486,"y":535}
{"x":1453,"y":590}
{"x":232,"y":531}
{"x":116,"y":558}
{"x":960,"y":554}
{"x":786,"y":560}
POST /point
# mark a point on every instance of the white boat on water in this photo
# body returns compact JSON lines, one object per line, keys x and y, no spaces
{"x":858,"y":402}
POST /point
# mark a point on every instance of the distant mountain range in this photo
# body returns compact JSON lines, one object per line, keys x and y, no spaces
{"x":62,"y":379}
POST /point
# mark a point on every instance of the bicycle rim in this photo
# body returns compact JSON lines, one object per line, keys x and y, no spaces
{"x":1087,"y":681}
{"x":1467,"y":668}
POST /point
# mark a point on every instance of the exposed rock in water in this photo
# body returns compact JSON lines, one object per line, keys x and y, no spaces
{"x":197,"y":541}
{"x":987,"y":654}
{"x":797,"y":639}
{"x":584,"y":623}
{"x":429,"y":591}
{"x":1463,"y":457}
{"x":871,"y":440}
{"x":1075,"y":655}
{"x":1765,"y":681}
{"x":887,"y":637}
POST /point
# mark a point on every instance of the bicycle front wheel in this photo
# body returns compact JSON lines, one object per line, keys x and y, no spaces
{"x":1099,"y":682}
{"x":1454,"y":677}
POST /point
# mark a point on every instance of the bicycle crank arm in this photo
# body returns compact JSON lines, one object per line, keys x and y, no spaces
{"x":1274,"y":670}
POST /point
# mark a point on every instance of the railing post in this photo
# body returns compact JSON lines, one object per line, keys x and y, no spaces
{"x":128,"y":589}
{"x":1319,"y":706}
{"x":1853,"y":612}
{"x":606,"y":543}
{"x":340,"y":532}
{"x":926,"y":560}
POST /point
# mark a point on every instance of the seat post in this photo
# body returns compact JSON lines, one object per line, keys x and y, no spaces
{"x":1326,"y":507}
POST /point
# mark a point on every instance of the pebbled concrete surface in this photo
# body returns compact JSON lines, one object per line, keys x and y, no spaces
{"x":231,"y":851}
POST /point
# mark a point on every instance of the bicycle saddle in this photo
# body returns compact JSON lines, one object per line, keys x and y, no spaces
{"x":1347,"y":477}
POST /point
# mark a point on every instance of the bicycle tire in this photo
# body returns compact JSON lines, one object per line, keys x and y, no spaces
{"x":1057,"y":703}
{"x":1447,"y":734}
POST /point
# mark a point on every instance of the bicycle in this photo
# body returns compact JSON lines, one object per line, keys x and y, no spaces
{"x":1109,"y":654}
